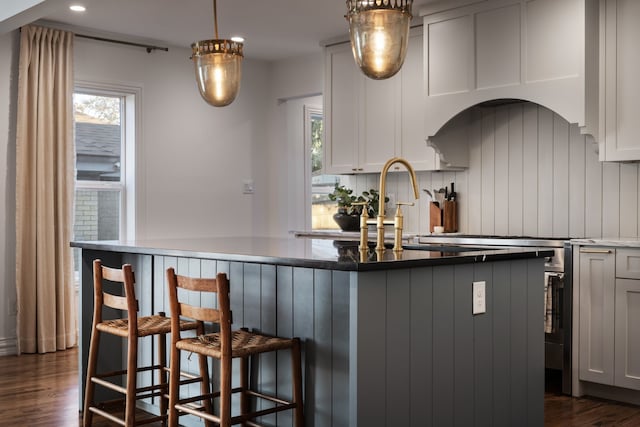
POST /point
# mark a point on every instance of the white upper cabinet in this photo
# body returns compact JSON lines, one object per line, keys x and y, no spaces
{"x":360,"y":115}
{"x":369,"y":121}
{"x":380,"y":123}
{"x":534,"y":50}
{"x":413,"y":145}
{"x":620,"y":85}
{"x":342,"y":88}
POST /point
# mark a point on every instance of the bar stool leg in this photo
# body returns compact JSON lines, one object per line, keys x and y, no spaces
{"x":132,"y":367}
{"x":87,"y":416}
{"x":162,"y":376}
{"x":174,"y":386}
{"x":244,"y":385}
{"x":205,"y":387}
{"x":296,"y":377}
{"x":225,"y":393}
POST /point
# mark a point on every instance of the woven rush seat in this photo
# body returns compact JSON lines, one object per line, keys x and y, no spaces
{"x":243,"y":343}
{"x":147,"y":325}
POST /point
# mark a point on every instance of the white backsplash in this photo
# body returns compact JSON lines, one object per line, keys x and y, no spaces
{"x":530,"y":173}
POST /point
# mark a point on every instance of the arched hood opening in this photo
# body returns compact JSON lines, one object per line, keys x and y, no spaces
{"x":452,"y":139}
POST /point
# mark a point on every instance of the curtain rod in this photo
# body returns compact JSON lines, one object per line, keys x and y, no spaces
{"x":148,"y":47}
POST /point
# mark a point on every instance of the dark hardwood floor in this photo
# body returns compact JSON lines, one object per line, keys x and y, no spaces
{"x":564,"y":411}
{"x":42,"y":390}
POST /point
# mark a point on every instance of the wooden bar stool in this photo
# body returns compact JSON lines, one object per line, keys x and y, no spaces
{"x":132,"y":328}
{"x":224,"y":346}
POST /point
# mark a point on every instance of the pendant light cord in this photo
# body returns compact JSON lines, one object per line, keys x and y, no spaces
{"x":215,"y":18}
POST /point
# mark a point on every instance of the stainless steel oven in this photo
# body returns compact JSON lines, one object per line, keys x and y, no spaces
{"x":558,"y":292}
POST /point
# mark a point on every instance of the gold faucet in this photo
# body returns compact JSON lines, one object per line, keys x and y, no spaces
{"x":364,"y":228}
{"x":398,"y":221}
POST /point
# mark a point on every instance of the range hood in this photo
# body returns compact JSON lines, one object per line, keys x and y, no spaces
{"x":494,"y":52}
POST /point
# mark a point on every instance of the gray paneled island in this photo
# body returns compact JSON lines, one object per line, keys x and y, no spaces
{"x":386,"y":342}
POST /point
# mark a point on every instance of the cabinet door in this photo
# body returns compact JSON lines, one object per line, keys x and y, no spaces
{"x":628,"y":263}
{"x":619,"y":107}
{"x":413,"y":144}
{"x":369,"y":121}
{"x":597,"y":314}
{"x":394,"y":114}
{"x":627,"y":325}
{"x":380,"y":124}
{"x":342,"y":90}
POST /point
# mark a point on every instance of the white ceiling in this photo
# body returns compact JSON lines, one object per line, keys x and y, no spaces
{"x":273,"y":29}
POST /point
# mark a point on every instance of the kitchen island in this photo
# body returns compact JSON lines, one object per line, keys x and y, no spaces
{"x":388,"y":339}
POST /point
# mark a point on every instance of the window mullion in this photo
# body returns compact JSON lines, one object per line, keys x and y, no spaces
{"x":99,"y":185}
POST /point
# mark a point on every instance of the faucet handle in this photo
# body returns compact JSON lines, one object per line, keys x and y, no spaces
{"x":365,"y":206}
{"x":399,"y":207}
{"x":398,"y":221}
{"x":364,"y":227}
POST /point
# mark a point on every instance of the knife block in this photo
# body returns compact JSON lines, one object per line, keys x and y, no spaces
{"x":450,"y":216}
{"x":435,"y":216}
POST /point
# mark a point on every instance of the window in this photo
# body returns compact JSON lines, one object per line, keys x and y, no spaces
{"x":322,"y":209}
{"x":104,"y":142}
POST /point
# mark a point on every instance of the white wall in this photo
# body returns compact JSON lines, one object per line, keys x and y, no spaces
{"x":298,"y":159}
{"x":275,"y":167}
{"x":8,"y":91}
{"x":193,"y":158}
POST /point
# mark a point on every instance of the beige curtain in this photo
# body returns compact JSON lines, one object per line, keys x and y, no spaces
{"x":44,"y":192}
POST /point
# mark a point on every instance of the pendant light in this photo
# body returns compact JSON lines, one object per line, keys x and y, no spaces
{"x":379,"y":32}
{"x":218,"y":66}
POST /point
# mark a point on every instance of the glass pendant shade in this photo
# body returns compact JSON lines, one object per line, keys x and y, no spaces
{"x":218,"y":67}
{"x":379,"y":32}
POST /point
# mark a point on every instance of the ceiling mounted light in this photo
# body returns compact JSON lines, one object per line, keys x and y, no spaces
{"x":379,"y":32}
{"x":77,"y":8}
{"x":218,"y":65}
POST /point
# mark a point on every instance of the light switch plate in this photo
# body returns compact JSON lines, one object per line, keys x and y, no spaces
{"x":479,"y":297}
{"x":247,"y":186}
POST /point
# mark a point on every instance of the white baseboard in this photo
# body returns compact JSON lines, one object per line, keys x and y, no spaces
{"x":8,"y":347}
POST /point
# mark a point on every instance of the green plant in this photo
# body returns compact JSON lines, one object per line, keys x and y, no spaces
{"x":345,"y":199}
{"x":372,"y":197}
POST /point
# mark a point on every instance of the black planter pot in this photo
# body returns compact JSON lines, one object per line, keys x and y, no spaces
{"x":347,"y":222}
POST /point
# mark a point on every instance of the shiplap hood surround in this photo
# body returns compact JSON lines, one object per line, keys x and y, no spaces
{"x":542,"y":51}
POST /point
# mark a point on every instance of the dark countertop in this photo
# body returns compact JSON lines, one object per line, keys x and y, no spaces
{"x":617,"y":242}
{"x":305,"y":252}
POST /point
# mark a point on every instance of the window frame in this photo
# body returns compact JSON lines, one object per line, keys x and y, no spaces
{"x":129,"y":124}
{"x":309,"y":112}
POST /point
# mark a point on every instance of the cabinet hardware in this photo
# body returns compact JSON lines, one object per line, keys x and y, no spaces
{"x":595,"y":251}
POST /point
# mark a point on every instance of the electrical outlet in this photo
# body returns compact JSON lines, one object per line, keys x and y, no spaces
{"x":479,"y":297}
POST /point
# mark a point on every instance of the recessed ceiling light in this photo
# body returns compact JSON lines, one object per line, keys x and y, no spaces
{"x":77,"y":8}
{"x":237,"y":39}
